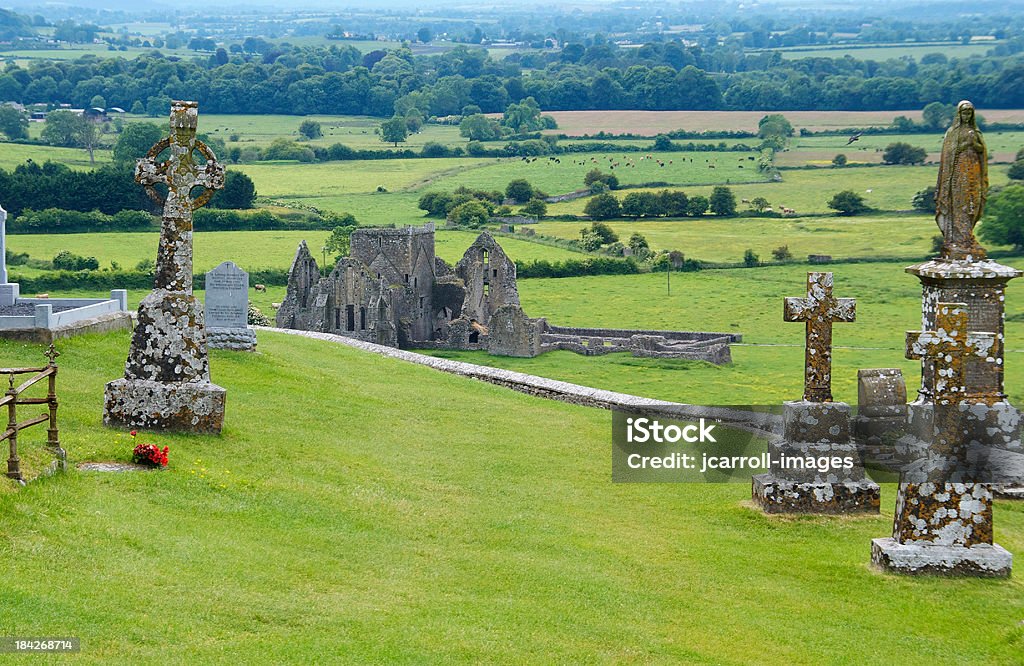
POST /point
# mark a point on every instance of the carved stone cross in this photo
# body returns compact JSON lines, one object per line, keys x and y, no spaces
{"x":948,"y":348}
{"x":820,"y":309}
{"x":181,"y":174}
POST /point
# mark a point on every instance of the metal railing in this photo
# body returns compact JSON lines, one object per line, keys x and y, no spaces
{"x":14,"y":397}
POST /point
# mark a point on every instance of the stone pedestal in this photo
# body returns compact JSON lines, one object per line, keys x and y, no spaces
{"x":982,"y":560}
{"x":815,"y":429}
{"x":167,"y":374}
{"x":235,"y":339}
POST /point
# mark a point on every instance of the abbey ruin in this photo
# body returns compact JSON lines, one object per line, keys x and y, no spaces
{"x":393,"y":290}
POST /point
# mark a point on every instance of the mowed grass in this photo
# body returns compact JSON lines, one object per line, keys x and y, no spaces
{"x":652,"y":123}
{"x":355,"y":505}
{"x":726,"y":239}
{"x":249,"y":249}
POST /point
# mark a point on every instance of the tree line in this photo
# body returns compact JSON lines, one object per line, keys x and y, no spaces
{"x":341,"y":80}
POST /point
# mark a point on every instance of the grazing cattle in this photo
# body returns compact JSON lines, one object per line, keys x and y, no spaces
{"x":42,"y":295}
{"x":276,"y":306}
{"x":260,"y":287}
{"x":744,"y":200}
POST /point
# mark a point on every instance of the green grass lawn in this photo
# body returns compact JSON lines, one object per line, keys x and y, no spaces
{"x":358,"y":506}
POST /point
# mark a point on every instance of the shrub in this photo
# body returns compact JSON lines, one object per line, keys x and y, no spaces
{"x":839,"y":160}
{"x":69,"y":261}
{"x":310,"y":129}
{"x":750,"y":259}
{"x":924,"y":200}
{"x":435,"y":149}
{"x":1016,"y":170}
{"x":602,"y":207}
{"x":535,"y":208}
{"x":519,"y":190}
{"x":848,"y":202}
{"x":782,"y":253}
{"x":256,"y":317}
{"x":606,"y":233}
{"x":469,"y":214}
{"x":904,"y":153}
{"x":1003,"y":223}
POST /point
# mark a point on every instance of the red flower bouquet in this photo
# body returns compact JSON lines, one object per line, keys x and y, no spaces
{"x":149,"y":454}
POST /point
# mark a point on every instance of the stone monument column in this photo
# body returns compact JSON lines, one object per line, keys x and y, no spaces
{"x":9,"y":292}
{"x":944,"y":527}
{"x":166,"y":384}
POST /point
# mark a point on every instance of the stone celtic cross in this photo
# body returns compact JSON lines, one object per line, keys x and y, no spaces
{"x":181,"y":174}
{"x":820,"y":309}
{"x":948,"y":347}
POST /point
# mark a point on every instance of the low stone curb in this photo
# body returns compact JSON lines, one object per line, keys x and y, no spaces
{"x":553,"y":389}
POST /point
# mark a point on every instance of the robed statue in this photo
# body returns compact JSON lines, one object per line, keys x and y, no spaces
{"x":963,"y":186}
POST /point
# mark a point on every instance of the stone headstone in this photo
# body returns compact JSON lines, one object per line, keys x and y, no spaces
{"x":227,"y":309}
{"x":8,"y":292}
{"x":816,"y":426}
{"x":166,"y":384}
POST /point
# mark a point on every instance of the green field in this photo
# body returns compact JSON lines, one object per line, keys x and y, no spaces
{"x":249,"y":249}
{"x":341,"y":533}
{"x":889,"y":51}
{"x":868,"y":149}
{"x":725,"y":240}
{"x":885,"y":188}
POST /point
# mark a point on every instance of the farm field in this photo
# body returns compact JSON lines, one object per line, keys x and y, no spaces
{"x":13,"y":154}
{"x":652,"y":123}
{"x":880,"y":52}
{"x":808,"y":191}
{"x":725,"y":240}
{"x":868,"y":149}
{"x":528,"y":527}
{"x":249,"y":249}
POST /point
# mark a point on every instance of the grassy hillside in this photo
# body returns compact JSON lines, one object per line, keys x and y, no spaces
{"x":374,"y":511}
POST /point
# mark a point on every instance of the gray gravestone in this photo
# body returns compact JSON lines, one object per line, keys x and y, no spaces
{"x":8,"y":292}
{"x":227,"y":308}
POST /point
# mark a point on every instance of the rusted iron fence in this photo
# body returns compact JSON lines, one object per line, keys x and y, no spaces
{"x":13,"y":398}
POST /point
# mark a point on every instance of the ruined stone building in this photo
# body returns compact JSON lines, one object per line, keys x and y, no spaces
{"x":393,"y":290}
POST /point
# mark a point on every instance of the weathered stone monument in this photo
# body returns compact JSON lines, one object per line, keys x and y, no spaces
{"x":166,"y":384}
{"x":943,"y":523}
{"x":8,"y":292}
{"x":816,"y":426}
{"x":227,"y":309}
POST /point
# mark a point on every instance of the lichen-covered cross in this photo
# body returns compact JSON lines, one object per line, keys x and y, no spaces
{"x":948,"y":347}
{"x":181,"y":174}
{"x":820,"y":309}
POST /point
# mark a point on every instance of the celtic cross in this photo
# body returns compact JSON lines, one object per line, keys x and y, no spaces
{"x":181,"y":174}
{"x":819,"y":310}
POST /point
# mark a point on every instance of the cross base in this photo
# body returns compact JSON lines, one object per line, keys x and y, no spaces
{"x":149,"y":405}
{"x":924,"y":558}
{"x":774,"y":495}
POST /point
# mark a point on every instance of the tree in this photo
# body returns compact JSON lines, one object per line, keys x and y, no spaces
{"x":238,"y":192}
{"x":535,"y":208}
{"x":98,"y":102}
{"x":938,"y":115}
{"x":1003,"y":223}
{"x":759,"y":204}
{"x":638,"y":244}
{"x":135,"y":141}
{"x":924,"y":200}
{"x":1016,"y":170}
{"x":900,"y":152}
{"x":839,"y":160}
{"x":339,"y":242}
{"x":697,"y":206}
{"x":138,"y":108}
{"x":606,"y":233}
{"x":519,"y":190}
{"x":469,"y":214}
{"x":637,"y":204}
{"x":750,"y":260}
{"x":774,"y":125}
{"x":848,"y":202}
{"x":310,"y":129}
{"x":663,"y":143}
{"x":394,"y":130}
{"x":610,"y":180}
{"x":672,"y":203}
{"x":13,"y":123}
{"x":602,"y":207}
{"x":523,"y":117}
{"x":782,"y":253}
{"x":62,"y":128}
{"x":722,"y":202}
{"x":424,"y":35}
{"x":479,"y":127}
